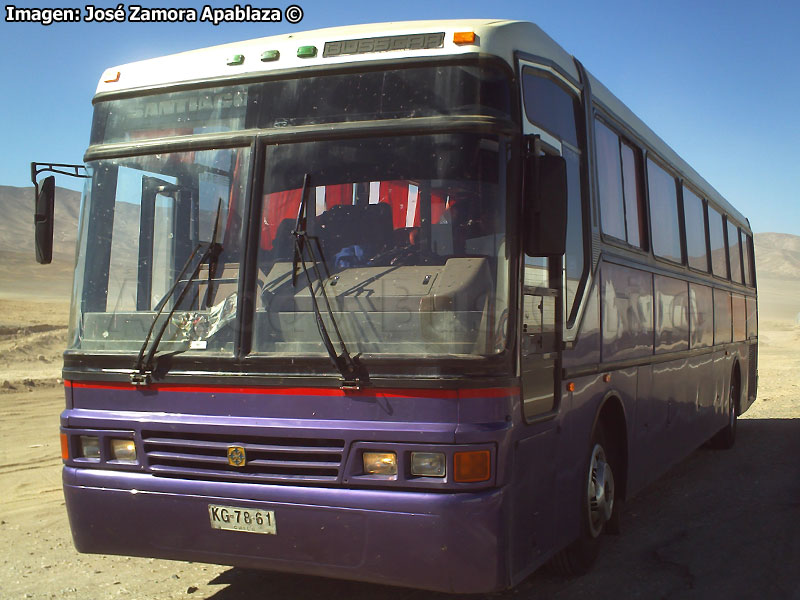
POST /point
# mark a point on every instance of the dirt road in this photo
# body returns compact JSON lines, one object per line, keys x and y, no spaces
{"x":719,"y":525}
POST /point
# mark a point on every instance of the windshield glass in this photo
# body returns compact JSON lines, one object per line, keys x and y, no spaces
{"x":410,"y":236}
{"x":143,"y":220}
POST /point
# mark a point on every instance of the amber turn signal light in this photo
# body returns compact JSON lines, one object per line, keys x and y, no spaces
{"x":64,"y":447}
{"x":472,"y":466}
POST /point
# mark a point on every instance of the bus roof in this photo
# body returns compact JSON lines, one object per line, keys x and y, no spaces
{"x":499,"y":38}
{"x":372,"y":42}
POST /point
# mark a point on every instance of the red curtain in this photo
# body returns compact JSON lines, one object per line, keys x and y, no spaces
{"x":277,"y":207}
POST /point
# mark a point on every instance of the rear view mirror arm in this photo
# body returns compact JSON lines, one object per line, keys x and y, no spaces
{"x":59,"y":168}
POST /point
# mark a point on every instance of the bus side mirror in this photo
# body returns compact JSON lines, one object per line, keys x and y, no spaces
{"x":43,"y":220}
{"x":545,"y":213}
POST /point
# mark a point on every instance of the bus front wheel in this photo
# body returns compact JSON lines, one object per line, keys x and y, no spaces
{"x":599,"y":510}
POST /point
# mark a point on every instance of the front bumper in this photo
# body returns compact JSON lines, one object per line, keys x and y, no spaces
{"x":452,"y":542}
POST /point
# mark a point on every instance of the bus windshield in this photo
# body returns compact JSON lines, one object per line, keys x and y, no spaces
{"x":409,"y":235}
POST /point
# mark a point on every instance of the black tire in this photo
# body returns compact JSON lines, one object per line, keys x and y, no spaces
{"x":725,"y":438}
{"x":599,"y":510}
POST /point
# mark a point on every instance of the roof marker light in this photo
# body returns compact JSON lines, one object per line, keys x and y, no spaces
{"x":270,"y":55}
{"x":115,"y":80}
{"x":236,"y":59}
{"x":464,"y":37}
{"x":306,"y":52}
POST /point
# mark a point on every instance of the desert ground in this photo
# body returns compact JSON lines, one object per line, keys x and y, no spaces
{"x":721,"y":524}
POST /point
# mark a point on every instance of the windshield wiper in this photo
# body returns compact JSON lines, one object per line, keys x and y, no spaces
{"x":143,"y":367}
{"x":354,"y":373}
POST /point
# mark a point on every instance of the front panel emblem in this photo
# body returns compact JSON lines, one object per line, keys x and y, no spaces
{"x":236,"y":456}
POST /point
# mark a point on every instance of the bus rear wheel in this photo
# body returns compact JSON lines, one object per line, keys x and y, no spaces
{"x":599,"y":510}
{"x":726,"y":437}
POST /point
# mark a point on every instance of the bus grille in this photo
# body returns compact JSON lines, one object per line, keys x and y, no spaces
{"x":273,"y":459}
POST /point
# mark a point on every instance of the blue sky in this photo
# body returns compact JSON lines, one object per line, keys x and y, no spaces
{"x":718,"y":80}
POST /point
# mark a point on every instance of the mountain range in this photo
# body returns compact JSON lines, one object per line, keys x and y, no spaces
{"x":777,"y":254}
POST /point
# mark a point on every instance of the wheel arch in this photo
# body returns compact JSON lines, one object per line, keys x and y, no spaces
{"x":612,"y":417}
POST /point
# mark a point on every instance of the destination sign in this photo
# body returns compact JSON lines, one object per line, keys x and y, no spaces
{"x":184,"y":112}
{"x":415,"y":41}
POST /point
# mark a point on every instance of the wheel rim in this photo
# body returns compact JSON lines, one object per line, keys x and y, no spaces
{"x":600,"y":491}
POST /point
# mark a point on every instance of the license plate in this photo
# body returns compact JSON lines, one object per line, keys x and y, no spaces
{"x":236,"y":518}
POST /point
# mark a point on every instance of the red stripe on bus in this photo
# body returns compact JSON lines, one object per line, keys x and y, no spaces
{"x":500,"y":392}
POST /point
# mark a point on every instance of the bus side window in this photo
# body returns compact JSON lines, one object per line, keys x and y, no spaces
{"x":618,"y":169}
{"x":734,"y":254}
{"x":747,"y":255}
{"x":719,"y":260}
{"x":666,"y":229}
{"x":695,"y":220}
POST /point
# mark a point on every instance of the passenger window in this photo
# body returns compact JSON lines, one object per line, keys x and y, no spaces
{"x":733,"y":253}
{"x":621,"y":214}
{"x":664,"y":213}
{"x":695,"y":218}
{"x":716,"y":238}
{"x":635,"y":221}
{"x":747,"y":255}
{"x":609,"y":176}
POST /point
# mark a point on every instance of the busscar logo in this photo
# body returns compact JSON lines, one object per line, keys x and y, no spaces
{"x":236,"y":456}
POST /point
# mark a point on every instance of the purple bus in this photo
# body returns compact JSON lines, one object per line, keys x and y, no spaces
{"x":417,"y":304}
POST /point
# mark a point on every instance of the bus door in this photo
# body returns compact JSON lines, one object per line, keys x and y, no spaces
{"x":552,"y":128}
{"x":537,"y":452}
{"x":552,"y":280}
{"x":539,"y":344}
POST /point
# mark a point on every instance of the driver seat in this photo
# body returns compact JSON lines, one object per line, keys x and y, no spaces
{"x":368,"y":226}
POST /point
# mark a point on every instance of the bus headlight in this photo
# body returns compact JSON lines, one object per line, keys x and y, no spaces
{"x":428,"y":464}
{"x":123,"y":450}
{"x":380,"y":463}
{"x":90,"y":447}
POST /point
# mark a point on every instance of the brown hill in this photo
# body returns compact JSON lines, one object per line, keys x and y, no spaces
{"x":16,"y":227}
{"x":20,"y":275}
{"x":777,"y":255}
